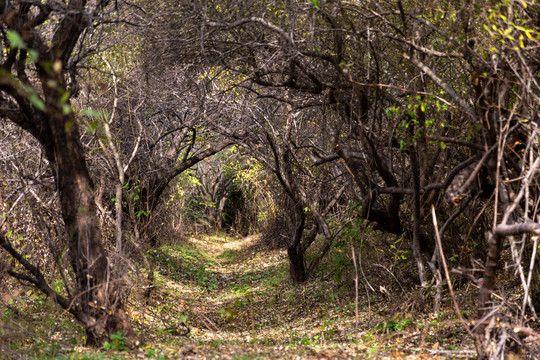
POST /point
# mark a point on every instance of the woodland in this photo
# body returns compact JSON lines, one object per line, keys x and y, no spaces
{"x":246,"y":179}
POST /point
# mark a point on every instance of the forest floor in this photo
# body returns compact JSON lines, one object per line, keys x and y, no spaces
{"x":239,"y":303}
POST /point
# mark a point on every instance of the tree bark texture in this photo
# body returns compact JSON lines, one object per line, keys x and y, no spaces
{"x":101,"y":310}
{"x":296,"y":264}
{"x":34,"y":98}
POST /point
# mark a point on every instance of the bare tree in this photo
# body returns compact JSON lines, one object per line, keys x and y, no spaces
{"x":433,"y":106}
{"x":44,"y":43}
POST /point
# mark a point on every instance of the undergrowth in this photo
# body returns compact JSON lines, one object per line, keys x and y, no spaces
{"x":238,"y":301}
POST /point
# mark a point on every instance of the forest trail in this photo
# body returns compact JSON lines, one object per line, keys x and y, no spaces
{"x":238,"y":300}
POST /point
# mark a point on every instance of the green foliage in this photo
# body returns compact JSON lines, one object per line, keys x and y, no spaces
{"x":93,"y":120}
{"x":411,"y":115}
{"x":241,"y":183}
{"x":116,"y":342}
{"x":341,"y":260}
{"x":92,"y":113}
{"x":15,"y":40}
{"x":509,"y":30}
{"x":34,"y":98}
{"x":400,"y":252}
{"x":393,"y":325}
{"x":229,"y":254}
{"x":182,"y":261}
{"x":228,"y":314}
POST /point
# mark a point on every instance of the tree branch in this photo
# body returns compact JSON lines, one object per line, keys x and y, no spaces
{"x":37,"y":277}
{"x":458,"y":99}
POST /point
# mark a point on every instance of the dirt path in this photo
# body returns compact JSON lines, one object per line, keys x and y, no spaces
{"x":240,"y":304}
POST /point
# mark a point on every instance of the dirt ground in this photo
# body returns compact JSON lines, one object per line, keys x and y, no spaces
{"x":237,"y":300}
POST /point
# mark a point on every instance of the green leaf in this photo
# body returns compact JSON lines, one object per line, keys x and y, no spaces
{"x":65,"y":97}
{"x":315,"y":3}
{"x":91,"y":128}
{"x":66,"y":109}
{"x":34,"y":55}
{"x":140,"y":213}
{"x":372,"y":350}
{"x":36,"y":101}
{"x":443,"y":145}
{"x":91,"y":113}
{"x":69,"y":125}
{"x":15,"y":40}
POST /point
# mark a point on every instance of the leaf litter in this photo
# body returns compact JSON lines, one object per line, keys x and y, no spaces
{"x":237,"y":299}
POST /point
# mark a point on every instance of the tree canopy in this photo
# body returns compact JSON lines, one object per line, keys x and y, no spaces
{"x":314,"y":123}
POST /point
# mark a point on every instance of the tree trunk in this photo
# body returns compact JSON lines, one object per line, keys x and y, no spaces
{"x":416,"y":217}
{"x":99,"y":306}
{"x":296,"y":264}
{"x":50,"y":119}
{"x":535,"y":285}
{"x":483,"y":338}
{"x":295,"y":250}
{"x":220,"y":210}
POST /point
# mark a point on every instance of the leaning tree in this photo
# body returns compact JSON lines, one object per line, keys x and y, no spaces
{"x":44,"y":44}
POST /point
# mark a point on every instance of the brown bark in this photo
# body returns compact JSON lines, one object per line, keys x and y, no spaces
{"x":100,"y":309}
{"x":296,"y":264}
{"x":97,"y":303}
{"x":415,"y":167}
{"x":492,"y":260}
{"x":295,"y":250}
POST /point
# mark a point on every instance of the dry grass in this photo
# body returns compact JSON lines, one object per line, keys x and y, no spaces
{"x":239,"y":303}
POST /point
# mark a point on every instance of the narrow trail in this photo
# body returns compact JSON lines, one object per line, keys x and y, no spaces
{"x":240,"y":303}
{"x":238,"y":300}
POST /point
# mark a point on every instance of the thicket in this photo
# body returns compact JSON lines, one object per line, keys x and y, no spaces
{"x":129,"y":125}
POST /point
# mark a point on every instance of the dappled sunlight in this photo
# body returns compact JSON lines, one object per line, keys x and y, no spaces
{"x":245,"y":179}
{"x":238,"y":298}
